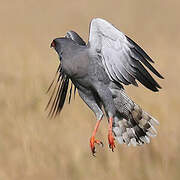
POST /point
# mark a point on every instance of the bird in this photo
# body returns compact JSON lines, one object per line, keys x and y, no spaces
{"x":99,"y":70}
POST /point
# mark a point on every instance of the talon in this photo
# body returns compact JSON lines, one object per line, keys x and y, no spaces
{"x":92,"y":144}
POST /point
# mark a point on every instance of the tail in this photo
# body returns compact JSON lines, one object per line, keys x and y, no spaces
{"x":132,"y":125}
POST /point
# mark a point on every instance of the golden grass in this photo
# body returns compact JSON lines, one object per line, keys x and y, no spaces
{"x":34,"y":147}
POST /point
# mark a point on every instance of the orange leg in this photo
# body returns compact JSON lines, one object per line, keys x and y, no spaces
{"x":110,"y":134}
{"x":93,"y":140}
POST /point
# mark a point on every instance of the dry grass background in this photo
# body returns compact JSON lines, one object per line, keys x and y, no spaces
{"x":34,"y":147}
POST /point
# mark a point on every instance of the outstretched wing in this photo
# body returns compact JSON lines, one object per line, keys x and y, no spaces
{"x":122,"y":58}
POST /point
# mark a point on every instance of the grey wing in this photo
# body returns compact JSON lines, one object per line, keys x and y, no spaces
{"x":75,"y":37}
{"x":122,"y":58}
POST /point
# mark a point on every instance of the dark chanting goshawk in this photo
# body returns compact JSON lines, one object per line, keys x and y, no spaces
{"x":98,"y":71}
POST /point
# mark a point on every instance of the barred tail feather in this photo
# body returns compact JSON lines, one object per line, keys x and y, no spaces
{"x":132,"y":125}
{"x":137,"y":130}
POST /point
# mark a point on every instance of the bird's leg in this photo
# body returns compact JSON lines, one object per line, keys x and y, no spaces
{"x":91,"y":101}
{"x":110,"y":109}
{"x":110,"y":134}
{"x":109,"y":106}
{"x":94,"y":141}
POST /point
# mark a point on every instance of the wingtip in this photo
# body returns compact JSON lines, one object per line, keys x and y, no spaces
{"x":155,"y":90}
{"x":161,"y":77}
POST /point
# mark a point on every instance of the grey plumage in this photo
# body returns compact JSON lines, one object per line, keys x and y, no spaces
{"x":75,"y":37}
{"x":132,"y":125}
{"x":62,"y":83}
{"x":98,"y":71}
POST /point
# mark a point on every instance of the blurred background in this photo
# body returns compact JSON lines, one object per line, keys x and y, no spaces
{"x":35,"y":147}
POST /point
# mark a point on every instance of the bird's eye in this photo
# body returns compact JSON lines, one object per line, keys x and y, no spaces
{"x":53,"y":44}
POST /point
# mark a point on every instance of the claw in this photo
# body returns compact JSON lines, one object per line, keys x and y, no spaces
{"x":92,"y":144}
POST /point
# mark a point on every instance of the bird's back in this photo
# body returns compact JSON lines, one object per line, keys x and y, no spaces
{"x":75,"y":59}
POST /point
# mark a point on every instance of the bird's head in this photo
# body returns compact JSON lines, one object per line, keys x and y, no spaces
{"x":64,"y":45}
{"x":57,"y":44}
